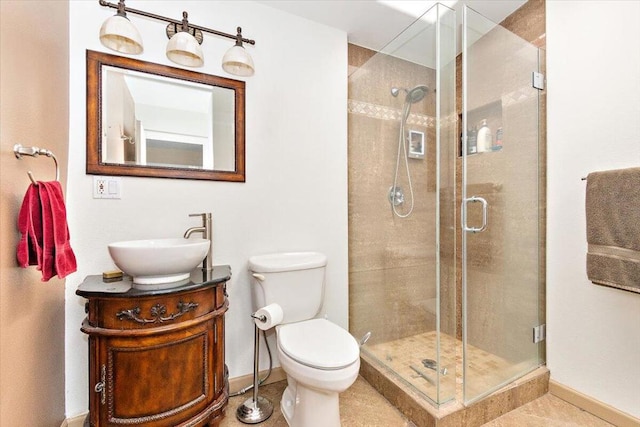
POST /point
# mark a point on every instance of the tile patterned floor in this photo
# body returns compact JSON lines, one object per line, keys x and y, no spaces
{"x":405,"y":356}
{"x":548,"y":411}
{"x":362,"y":406}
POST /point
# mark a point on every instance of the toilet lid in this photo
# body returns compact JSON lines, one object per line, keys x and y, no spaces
{"x":318,"y":343}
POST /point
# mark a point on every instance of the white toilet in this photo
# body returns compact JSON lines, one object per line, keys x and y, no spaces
{"x":320,"y":358}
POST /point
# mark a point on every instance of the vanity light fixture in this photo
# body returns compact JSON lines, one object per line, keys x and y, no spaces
{"x":184,"y":40}
{"x":237,"y":60}
{"x":183,"y":47}
{"x":119,"y":34}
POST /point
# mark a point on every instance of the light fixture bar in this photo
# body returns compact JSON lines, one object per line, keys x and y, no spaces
{"x":175,"y":21}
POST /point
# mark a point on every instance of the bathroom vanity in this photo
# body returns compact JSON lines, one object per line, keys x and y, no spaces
{"x":156,"y":357}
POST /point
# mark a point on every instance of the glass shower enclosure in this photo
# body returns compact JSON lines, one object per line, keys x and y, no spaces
{"x":402,"y":133}
{"x":445,"y":225}
{"x":502,"y":249}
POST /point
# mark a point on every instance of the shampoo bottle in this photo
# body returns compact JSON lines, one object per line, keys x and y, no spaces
{"x":472,"y":141}
{"x":498,"y":142}
{"x":485,"y":137}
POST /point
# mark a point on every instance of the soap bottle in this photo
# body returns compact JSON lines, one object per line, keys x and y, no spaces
{"x":485,"y":137}
{"x":472,"y":141}
{"x":498,"y":143}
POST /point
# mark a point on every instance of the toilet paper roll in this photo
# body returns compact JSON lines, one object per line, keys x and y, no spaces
{"x":269,"y":316}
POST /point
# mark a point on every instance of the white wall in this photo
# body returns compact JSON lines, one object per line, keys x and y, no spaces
{"x":295,"y":196}
{"x":593,"y":61}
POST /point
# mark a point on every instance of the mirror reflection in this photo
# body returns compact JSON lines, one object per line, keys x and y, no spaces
{"x":156,"y":121}
{"x":159,"y":121}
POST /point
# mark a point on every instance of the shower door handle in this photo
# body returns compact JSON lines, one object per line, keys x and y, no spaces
{"x":476,"y":199}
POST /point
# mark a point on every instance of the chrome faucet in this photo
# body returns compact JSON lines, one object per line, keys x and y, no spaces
{"x":207,"y":233}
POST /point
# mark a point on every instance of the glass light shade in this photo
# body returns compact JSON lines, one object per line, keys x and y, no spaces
{"x":184,"y":49}
{"x":238,"y":62}
{"x":119,"y":34}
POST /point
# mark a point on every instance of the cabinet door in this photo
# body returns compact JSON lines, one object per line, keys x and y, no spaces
{"x":160,"y":379}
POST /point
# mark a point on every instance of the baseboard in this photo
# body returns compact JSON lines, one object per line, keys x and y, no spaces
{"x":77,"y":421}
{"x":238,"y":383}
{"x":593,"y":406}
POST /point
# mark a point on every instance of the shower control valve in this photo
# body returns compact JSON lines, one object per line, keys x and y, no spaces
{"x":396,"y":195}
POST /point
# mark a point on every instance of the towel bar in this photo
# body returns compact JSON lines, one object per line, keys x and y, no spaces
{"x":20,"y":151}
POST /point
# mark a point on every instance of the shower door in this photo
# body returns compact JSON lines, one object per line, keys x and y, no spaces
{"x":501,"y":200}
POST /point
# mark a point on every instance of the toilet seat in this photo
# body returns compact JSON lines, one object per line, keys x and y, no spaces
{"x":318,"y":343}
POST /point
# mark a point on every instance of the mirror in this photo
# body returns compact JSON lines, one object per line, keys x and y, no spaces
{"x":152,"y":120}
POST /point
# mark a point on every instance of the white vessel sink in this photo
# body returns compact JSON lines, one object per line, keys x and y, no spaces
{"x":158,"y":261}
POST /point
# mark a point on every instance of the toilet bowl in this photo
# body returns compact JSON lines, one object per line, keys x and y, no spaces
{"x":320,"y":358}
{"x":319,"y":366}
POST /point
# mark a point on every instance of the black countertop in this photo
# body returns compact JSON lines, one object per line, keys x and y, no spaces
{"x":94,"y":286}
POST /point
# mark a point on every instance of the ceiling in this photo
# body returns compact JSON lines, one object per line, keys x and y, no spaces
{"x":374,"y":23}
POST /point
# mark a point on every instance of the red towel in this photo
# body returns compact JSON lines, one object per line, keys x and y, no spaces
{"x":47,"y":263}
{"x":45,"y":233}
{"x":64,"y":258}
{"x":29,"y":221}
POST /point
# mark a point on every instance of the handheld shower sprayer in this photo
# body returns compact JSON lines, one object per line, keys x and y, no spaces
{"x":396,"y":195}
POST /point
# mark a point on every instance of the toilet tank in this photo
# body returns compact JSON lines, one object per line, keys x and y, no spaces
{"x":293,"y":280}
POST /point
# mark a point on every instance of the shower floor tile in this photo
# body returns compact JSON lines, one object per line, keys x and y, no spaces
{"x":405,"y":357}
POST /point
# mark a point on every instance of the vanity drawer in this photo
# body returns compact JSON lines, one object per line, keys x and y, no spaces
{"x":154,"y":311}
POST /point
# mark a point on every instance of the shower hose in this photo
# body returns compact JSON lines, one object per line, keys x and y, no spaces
{"x":402,"y":148}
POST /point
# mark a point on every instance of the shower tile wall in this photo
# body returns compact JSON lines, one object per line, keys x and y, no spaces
{"x":391,"y":260}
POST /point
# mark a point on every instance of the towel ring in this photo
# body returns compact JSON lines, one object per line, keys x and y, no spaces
{"x":20,"y":151}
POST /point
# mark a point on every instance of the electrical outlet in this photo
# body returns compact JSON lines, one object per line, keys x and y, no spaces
{"x":107,"y":187}
{"x":99,"y":186}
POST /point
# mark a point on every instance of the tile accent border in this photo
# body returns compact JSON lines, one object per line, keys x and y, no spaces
{"x":382,"y":112}
{"x":593,"y":406}
{"x":519,"y":95}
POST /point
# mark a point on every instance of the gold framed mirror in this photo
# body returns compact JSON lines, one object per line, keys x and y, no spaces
{"x":152,"y":120}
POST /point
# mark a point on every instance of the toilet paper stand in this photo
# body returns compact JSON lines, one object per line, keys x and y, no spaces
{"x":257,"y":408}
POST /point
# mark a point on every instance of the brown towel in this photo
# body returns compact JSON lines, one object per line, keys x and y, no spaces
{"x":613,"y":228}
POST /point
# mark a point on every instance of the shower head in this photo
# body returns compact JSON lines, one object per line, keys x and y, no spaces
{"x":417,"y":94}
{"x":414,"y":95}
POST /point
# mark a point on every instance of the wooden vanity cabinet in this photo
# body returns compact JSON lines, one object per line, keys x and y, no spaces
{"x":156,"y":358}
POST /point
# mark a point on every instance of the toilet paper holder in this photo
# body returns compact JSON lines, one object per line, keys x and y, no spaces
{"x":257,"y":408}
{"x":262,"y":318}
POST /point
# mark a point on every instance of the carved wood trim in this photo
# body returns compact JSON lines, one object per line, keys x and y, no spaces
{"x":217,"y":405}
{"x":96,"y":331}
{"x":157,"y":313}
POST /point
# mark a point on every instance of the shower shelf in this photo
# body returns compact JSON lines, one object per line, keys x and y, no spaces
{"x":491,"y":112}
